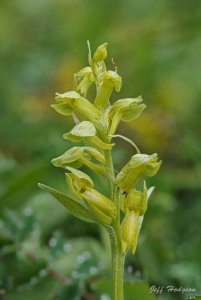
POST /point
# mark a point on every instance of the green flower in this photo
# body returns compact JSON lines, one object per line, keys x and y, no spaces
{"x":108,"y":81}
{"x":77,"y":156}
{"x":129,"y":231}
{"x":136,"y":200}
{"x":127,"y":110}
{"x":81,"y":188}
{"x":87,"y":131}
{"x":138,"y":165}
{"x":72,"y":101}
{"x":86,"y":79}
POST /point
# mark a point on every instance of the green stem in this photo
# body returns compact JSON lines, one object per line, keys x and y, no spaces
{"x":110,"y":172}
{"x":117,"y":267}
{"x":115,"y":238}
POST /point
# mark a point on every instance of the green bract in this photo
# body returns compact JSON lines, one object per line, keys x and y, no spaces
{"x":76,"y":209}
{"x":96,"y":121}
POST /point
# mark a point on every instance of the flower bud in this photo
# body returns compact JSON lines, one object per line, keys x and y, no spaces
{"x":136,"y":201}
{"x":130,"y":231}
{"x":100,"y":53}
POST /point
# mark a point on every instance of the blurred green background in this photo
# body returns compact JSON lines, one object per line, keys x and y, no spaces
{"x":44,"y":252}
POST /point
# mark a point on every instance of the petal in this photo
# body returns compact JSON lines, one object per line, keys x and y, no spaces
{"x":82,"y":129}
{"x":129,"y":108}
{"x":63,"y":109}
{"x":69,"y":156}
{"x":87,"y":71}
{"x":152,"y":167}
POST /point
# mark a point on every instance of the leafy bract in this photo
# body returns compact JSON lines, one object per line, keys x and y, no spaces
{"x":75,"y":208}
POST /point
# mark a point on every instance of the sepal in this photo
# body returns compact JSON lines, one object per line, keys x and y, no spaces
{"x":86,"y":130}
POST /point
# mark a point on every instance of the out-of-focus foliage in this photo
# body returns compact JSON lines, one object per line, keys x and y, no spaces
{"x":44,"y":253}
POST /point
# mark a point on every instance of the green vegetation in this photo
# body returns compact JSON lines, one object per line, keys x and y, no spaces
{"x":44,"y":252}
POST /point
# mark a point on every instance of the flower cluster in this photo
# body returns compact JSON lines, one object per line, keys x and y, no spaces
{"x":96,"y":123}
